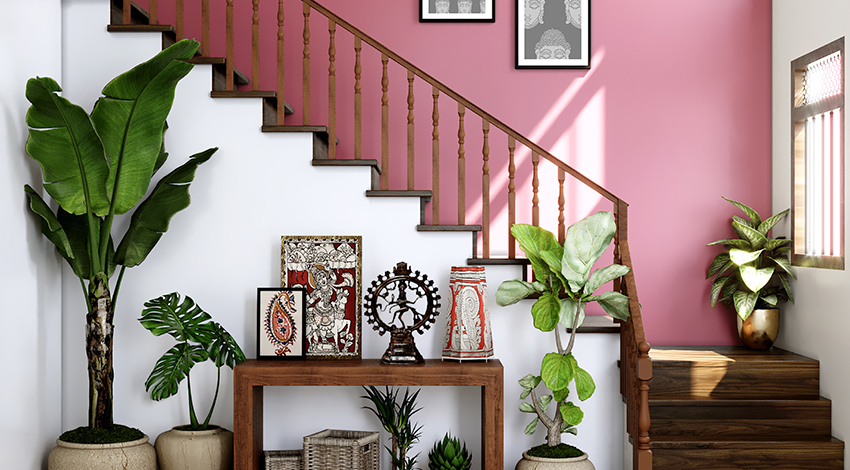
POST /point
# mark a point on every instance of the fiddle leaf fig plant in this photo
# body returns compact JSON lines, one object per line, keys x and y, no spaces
{"x":97,"y":167}
{"x":565,"y":281}
{"x":198,"y":339}
{"x":754,"y":272}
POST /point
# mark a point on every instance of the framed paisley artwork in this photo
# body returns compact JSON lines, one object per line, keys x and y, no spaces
{"x":328,"y":269}
{"x":280,"y":323}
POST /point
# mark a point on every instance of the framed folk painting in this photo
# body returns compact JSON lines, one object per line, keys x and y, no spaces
{"x":280,"y":323}
{"x":457,"y":10}
{"x":552,"y":34}
{"x":329,"y":269}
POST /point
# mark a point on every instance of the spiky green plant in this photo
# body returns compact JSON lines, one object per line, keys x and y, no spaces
{"x":395,"y":419}
{"x":449,"y":454}
{"x":753,"y":273}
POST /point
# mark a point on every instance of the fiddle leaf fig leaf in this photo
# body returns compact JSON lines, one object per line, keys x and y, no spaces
{"x":546,"y":312}
{"x":533,"y":241}
{"x":543,"y":402}
{"x":514,"y":290}
{"x":755,"y":278}
{"x":569,"y":307}
{"x":526,"y":407}
{"x":769,"y":223}
{"x":529,"y":381}
{"x":566,"y":428}
{"x":744,"y":303}
{"x":557,"y":371}
{"x":741,"y":257}
{"x":587,"y":240}
{"x":571,"y":413}
{"x":750,"y":212}
{"x":585,"y":386}
{"x":561,"y":395}
{"x":604,"y":275}
{"x":614,"y":304}
{"x":525,"y":393}
{"x":532,"y":426}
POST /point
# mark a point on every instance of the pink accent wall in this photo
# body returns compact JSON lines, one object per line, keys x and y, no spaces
{"x":674,"y":113}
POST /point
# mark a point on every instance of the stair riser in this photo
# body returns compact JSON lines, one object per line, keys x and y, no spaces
{"x":749,"y":381}
{"x":808,"y":456}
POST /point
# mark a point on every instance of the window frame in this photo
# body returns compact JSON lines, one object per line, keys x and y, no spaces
{"x":799,"y":114}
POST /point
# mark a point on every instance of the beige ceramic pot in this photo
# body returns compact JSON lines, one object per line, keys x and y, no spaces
{"x":133,"y":455}
{"x":530,"y":462}
{"x":179,"y":449}
{"x":760,"y":329}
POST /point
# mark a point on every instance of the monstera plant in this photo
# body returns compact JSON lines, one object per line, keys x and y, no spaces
{"x":565,"y":282}
{"x":97,"y":167}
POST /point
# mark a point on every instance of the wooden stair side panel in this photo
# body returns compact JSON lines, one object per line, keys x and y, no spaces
{"x":827,"y":454}
{"x":732,"y":373}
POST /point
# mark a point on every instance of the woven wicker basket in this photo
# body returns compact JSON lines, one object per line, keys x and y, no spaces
{"x":334,"y":449}
{"x":282,"y":459}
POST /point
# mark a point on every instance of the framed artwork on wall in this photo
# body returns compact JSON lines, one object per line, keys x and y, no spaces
{"x":457,"y":10}
{"x":280,"y":323}
{"x":329,"y":269}
{"x":552,"y":34}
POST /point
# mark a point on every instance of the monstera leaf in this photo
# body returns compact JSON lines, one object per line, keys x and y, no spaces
{"x":185,"y":320}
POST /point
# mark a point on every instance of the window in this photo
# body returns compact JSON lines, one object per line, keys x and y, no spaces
{"x":817,"y":115}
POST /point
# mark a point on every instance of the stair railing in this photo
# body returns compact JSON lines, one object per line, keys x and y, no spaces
{"x":636,"y":366}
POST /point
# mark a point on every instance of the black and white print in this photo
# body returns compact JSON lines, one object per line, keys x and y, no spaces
{"x":457,"y":10}
{"x":552,"y":33}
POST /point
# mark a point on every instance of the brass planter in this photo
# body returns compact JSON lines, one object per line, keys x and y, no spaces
{"x":760,"y":329}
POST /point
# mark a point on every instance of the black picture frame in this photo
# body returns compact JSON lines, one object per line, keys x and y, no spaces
{"x":436,"y":11}
{"x":554,"y":28}
{"x":285,"y":307}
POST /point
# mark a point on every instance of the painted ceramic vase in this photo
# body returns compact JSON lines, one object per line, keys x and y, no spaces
{"x":468,"y":333}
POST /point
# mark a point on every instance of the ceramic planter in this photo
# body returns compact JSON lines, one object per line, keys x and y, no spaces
{"x":132,"y":455}
{"x":530,"y":462}
{"x":760,"y":329}
{"x":181,"y":449}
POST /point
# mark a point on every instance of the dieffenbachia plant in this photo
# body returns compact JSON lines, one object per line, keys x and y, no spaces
{"x":565,"y":281}
{"x":100,"y":166}
{"x":754,"y":271}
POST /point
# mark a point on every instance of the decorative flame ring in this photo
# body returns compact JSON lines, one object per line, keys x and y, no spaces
{"x":397,"y":294}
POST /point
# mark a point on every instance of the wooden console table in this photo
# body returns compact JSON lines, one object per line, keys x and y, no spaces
{"x":251,"y":376}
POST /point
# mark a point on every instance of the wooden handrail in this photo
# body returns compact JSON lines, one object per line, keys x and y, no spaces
{"x":460,"y":99}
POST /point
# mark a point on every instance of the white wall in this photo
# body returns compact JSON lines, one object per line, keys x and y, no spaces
{"x":816,"y":324}
{"x":30,"y":408}
{"x":226,"y":244}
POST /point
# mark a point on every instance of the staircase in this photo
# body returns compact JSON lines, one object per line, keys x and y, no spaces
{"x":725,"y":408}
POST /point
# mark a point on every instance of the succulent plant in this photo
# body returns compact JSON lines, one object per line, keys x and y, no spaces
{"x":449,"y":454}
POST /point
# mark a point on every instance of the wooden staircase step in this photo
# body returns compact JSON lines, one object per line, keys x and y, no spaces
{"x":740,"y":419}
{"x":295,"y":129}
{"x":694,"y":373}
{"x":448,"y":228}
{"x":824,"y":454}
{"x":498,"y":262}
{"x":424,"y":194}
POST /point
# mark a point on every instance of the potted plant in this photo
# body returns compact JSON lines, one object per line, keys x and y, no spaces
{"x":395,"y":418}
{"x":752,"y":276}
{"x":565,"y":282}
{"x":197,"y":445}
{"x":97,"y":167}
{"x":449,"y":454}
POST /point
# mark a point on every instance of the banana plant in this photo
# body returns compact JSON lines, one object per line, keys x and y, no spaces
{"x":198,"y":339}
{"x":754,"y":271}
{"x":565,"y":282}
{"x":98,"y":166}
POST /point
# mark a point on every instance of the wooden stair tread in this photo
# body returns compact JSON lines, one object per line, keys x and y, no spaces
{"x":398,"y":193}
{"x":726,"y":402}
{"x":448,"y":228}
{"x":498,"y":261}
{"x":710,"y":355}
{"x":755,"y":442}
{"x":139,"y":28}
{"x":347,"y":162}
{"x":295,"y":128}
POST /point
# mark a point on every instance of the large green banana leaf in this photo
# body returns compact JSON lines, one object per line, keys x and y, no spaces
{"x":63,"y":141}
{"x":130,"y":119}
{"x":150,"y":220}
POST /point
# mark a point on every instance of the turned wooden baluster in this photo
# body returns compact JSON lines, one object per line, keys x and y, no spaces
{"x":281,"y":100}
{"x":385,"y":125}
{"x":535,"y":188}
{"x":358,"y":100}
{"x":644,"y":457}
{"x":126,"y":17}
{"x":205,"y":27}
{"x":255,"y":47}
{"x":435,"y":160}
{"x":332,"y":90}
{"x":485,"y":191}
{"x":305,"y":75}
{"x":228,"y":54}
{"x":410,"y":133}
{"x":511,"y":196}
{"x":561,"y":228}
{"x":178,"y":15}
{"x":461,"y":166}
{"x":152,"y":18}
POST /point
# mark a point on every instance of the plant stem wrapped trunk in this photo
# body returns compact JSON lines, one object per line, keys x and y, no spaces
{"x":99,"y":329}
